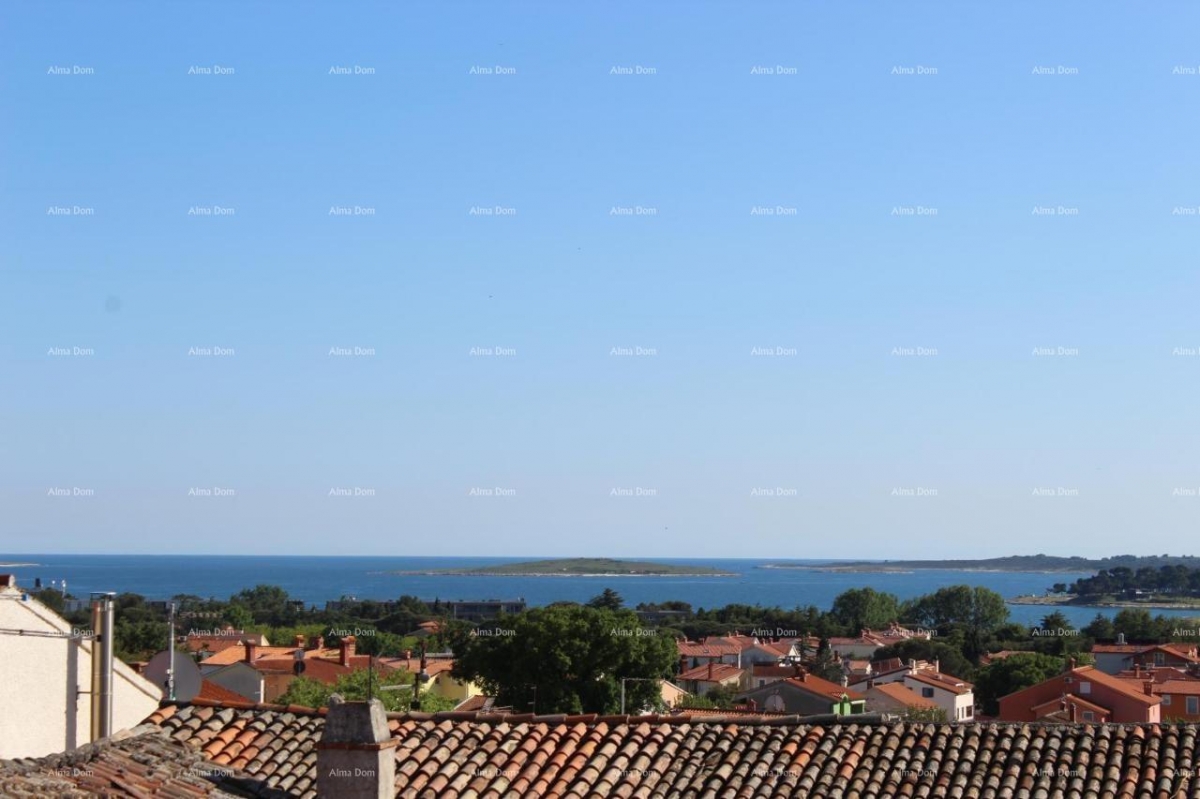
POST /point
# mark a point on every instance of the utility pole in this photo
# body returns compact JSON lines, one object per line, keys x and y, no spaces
{"x":171,"y":649}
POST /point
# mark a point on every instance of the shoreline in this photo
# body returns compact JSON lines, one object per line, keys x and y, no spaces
{"x":609,"y":575}
{"x":1066,"y":602}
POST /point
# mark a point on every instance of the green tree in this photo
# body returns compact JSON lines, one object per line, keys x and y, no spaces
{"x":926,"y":714}
{"x":1013,"y":673}
{"x":1100,"y":628}
{"x":566,"y":659}
{"x":865,"y":608}
{"x":950,"y":659}
{"x":607,"y":600}
{"x":978,"y":611}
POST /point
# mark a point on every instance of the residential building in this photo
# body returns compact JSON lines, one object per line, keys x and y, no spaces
{"x":806,"y":695}
{"x":868,"y":642}
{"x":441,"y":682}
{"x":709,"y":650}
{"x":207,"y":642}
{"x":704,"y":678}
{"x":671,"y":693}
{"x":895,"y":697}
{"x":766,"y":673}
{"x":1118,"y":700}
{"x":242,"y":679}
{"x":478,"y":610}
{"x":1118,"y":657}
{"x":46,"y":680}
{"x":952,"y":694}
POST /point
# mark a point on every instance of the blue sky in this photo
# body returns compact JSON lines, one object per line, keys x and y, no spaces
{"x":882,"y":108}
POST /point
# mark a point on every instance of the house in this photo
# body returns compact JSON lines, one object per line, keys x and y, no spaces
{"x":951,"y":694}
{"x":807,"y":695}
{"x":1119,"y":700}
{"x":241,"y":678}
{"x":1118,"y":657}
{"x":895,"y":697}
{"x":671,"y":694}
{"x":441,"y":682}
{"x":277,"y":665}
{"x":204,"y":643}
{"x":46,"y":680}
{"x":765,"y":673}
{"x":868,"y":642}
{"x":1180,"y":699}
{"x":709,"y":650}
{"x":702,"y":679}
{"x":926,"y":679}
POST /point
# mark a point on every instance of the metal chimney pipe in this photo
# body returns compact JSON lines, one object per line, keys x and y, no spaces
{"x":102,"y":665}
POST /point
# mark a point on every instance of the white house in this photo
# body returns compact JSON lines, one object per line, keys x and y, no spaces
{"x":45,"y":674}
{"x":952,"y":694}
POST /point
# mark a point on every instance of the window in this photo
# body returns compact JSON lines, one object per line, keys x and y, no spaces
{"x":1089,"y":715}
{"x":1085,"y":687}
{"x":927,"y":693}
{"x":1166,"y":699}
{"x":969,"y":712}
{"x":1193,"y":705}
{"x":1159,"y":658}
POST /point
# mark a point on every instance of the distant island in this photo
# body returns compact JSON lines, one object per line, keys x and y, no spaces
{"x":1013,"y":563}
{"x":581,"y":567}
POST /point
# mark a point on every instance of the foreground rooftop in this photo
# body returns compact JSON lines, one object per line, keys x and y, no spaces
{"x":492,"y":755}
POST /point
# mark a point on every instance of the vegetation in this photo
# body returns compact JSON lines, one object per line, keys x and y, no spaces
{"x":567,"y":659}
{"x":393,"y":689}
{"x":1175,"y":580}
{"x":1014,"y":563}
{"x":584,"y":566}
{"x":1010,"y":674}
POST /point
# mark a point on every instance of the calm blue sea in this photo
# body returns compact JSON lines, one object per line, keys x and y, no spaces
{"x":317,"y":579}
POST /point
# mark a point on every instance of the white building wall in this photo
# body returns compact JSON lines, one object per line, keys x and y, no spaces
{"x":41,"y":672}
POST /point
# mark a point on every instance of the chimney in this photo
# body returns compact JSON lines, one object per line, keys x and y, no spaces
{"x":1070,"y":664}
{"x":1137,"y":669}
{"x":912,"y":664}
{"x":1120,"y":639}
{"x":300,"y":641}
{"x":251,"y":647}
{"x":8,"y":581}
{"x":102,"y":665}
{"x":319,"y":643}
{"x":355,"y":756}
{"x":347,"y":650}
{"x":1148,"y":687}
{"x":710,"y":671}
{"x":796,"y":669}
{"x":937,"y":666}
{"x":870,"y":683}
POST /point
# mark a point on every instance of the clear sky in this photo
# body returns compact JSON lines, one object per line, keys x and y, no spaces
{"x":905,"y":278}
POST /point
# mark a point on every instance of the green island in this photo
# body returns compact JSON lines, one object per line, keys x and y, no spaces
{"x":1173,"y":585}
{"x":1012,"y":563}
{"x":582,"y":567}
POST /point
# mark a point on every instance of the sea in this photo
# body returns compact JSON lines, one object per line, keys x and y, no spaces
{"x":316,"y":580}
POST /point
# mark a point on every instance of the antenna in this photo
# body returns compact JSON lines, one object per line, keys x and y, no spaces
{"x":171,"y":649}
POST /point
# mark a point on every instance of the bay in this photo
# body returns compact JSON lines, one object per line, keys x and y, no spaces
{"x":316,"y":580}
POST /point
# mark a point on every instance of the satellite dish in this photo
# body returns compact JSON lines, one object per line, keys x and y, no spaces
{"x":187,"y":675}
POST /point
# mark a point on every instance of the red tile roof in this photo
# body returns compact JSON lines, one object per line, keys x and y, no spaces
{"x":211,"y":690}
{"x":144,"y":762}
{"x":720,"y":672}
{"x":940,"y":679}
{"x":904,"y":695}
{"x":707,"y":649}
{"x":817,"y":685}
{"x":454,"y":755}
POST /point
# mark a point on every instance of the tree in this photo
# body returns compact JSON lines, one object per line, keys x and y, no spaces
{"x":566,"y":659}
{"x":1003,"y":677}
{"x":826,"y":664}
{"x":977,"y":610}
{"x":865,"y":608}
{"x":607,"y":600}
{"x":950,"y":659}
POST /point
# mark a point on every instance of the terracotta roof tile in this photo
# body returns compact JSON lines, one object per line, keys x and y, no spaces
{"x":144,"y":762}
{"x":495,"y":755}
